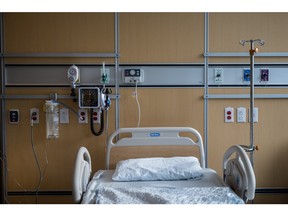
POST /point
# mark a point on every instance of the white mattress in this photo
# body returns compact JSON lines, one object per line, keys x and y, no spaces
{"x":208,"y":189}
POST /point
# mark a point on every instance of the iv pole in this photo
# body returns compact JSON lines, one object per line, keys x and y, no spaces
{"x":251,"y":148}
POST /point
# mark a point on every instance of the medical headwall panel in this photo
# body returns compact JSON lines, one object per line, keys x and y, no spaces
{"x":58,"y":33}
{"x":56,"y":75}
{"x":227,"y":29}
{"x":161,"y":37}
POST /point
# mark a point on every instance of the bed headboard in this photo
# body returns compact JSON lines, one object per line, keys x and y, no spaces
{"x":156,"y":136}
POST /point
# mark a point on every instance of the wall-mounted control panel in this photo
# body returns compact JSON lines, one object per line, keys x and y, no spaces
{"x":133,"y":75}
{"x":13,"y":116}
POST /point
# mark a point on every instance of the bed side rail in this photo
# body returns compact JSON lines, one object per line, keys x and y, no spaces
{"x":82,"y":172}
{"x":240,"y":167}
{"x":156,"y":136}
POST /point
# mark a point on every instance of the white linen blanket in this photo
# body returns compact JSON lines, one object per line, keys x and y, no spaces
{"x":166,"y":195}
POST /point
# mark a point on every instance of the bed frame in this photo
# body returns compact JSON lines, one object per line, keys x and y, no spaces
{"x":238,"y":172}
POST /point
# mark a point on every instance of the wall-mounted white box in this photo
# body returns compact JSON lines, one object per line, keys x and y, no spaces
{"x":241,"y":114}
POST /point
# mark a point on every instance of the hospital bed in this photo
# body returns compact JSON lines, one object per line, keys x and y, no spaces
{"x":175,"y":180}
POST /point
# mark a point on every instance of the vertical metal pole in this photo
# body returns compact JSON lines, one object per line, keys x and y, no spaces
{"x":252,"y":52}
{"x":3,"y":190}
{"x":206,"y":49}
{"x":116,"y":26}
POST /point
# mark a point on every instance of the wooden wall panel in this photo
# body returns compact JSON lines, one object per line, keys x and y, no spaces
{"x":161,"y":37}
{"x":163,"y":107}
{"x":227,"y":29}
{"x":61,"y":152}
{"x":59,"y":32}
{"x":270,"y":136}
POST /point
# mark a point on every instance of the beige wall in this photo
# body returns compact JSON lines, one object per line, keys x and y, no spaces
{"x":144,"y":38}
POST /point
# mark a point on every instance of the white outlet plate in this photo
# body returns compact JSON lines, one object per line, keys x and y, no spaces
{"x":83,"y":116}
{"x":34,"y":115}
{"x":241,"y":114}
{"x":229,"y":115}
{"x":64,"y":116}
{"x":218,"y":75}
{"x":255,"y":115}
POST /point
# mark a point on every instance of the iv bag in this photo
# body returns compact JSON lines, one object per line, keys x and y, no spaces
{"x":52,"y":119}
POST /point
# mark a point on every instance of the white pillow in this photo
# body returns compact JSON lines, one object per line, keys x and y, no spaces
{"x":148,"y":169}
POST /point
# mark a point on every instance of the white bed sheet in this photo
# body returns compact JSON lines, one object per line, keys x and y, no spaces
{"x":208,"y":189}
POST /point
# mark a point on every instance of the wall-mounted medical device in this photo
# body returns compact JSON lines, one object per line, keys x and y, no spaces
{"x":89,"y":97}
{"x":133,"y":75}
{"x":73,"y":75}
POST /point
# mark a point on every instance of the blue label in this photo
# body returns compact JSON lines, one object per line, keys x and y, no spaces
{"x":154,"y":134}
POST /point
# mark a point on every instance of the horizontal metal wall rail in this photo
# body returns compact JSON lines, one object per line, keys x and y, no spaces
{"x":244,"y":54}
{"x":45,"y":97}
{"x":59,"y":55}
{"x":246,"y":96}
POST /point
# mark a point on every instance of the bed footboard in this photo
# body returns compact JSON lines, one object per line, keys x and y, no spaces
{"x":238,"y":173}
{"x":82,"y":174}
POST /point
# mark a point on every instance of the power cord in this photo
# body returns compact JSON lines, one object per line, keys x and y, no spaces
{"x":138,"y":104}
{"x":41,"y":174}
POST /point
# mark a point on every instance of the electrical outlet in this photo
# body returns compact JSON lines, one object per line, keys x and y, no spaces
{"x":241,"y":114}
{"x":64,"y":116}
{"x":83,"y":116}
{"x":218,"y":78}
{"x":229,"y":115}
{"x":105,"y":76}
{"x":246,"y":75}
{"x":96,"y":115}
{"x":264,"y":72}
{"x":34,"y":115}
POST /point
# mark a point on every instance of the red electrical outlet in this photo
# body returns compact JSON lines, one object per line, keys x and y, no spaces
{"x":229,"y":115}
{"x":96,"y":116}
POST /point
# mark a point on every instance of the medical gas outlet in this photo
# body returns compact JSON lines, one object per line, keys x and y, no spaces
{"x":218,"y":79}
{"x":133,"y":75}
